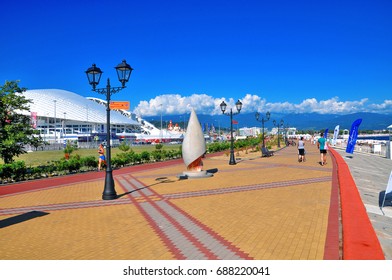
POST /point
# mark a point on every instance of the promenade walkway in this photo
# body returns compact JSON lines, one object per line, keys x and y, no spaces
{"x":262,"y":208}
{"x":371,"y":173}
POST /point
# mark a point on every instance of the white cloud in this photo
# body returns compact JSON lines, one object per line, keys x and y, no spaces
{"x":385,"y":107}
{"x":176,"y":104}
{"x":204,"y":104}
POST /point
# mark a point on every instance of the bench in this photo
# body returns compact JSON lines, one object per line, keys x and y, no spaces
{"x":266,"y":153}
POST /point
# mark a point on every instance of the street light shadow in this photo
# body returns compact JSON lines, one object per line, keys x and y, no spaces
{"x":161,"y":180}
{"x":21,"y":218}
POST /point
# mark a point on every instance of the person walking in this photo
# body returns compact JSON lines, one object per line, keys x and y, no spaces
{"x":322,"y":146}
{"x":101,"y":158}
{"x":301,"y":150}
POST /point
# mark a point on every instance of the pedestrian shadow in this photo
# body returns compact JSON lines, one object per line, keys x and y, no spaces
{"x":160,"y":180}
{"x":388,"y":199}
{"x":21,"y":218}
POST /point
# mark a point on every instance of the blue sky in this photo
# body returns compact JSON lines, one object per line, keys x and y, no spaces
{"x":281,"y":56}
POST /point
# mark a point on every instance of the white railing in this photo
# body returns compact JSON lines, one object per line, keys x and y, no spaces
{"x":376,"y":149}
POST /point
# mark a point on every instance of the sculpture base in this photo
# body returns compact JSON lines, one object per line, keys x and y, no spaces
{"x":196,"y":174}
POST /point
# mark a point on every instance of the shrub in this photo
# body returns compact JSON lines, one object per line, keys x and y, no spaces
{"x":214,"y":147}
{"x":74,"y":164}
{"x":36,"y":172}
{"x":180,"y":151}
{"x":130,"y":157}
{"x":6,"y":171}
{"x":137,"y":158}
{"x":49,"y":168}
{"x":171,"y":154}
{"x":218,"y":146}
{"x":157,"y":155}
{"x":145,"y":156}
{"x":18,"y":170}
{"x":90,"y":162}
{"x":13,"y":171}
{"x":119,"y":160}
{"x":61,"y":165}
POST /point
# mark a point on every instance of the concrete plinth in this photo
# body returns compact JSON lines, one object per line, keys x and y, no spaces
{"x":196,"y":174}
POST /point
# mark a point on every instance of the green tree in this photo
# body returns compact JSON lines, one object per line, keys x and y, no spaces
{"x":15,"y":128}
{"x":124,"y":147}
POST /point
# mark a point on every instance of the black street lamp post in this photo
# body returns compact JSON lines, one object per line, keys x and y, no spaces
{"x":94,"y":75}
{"x":263,"y":120}
{"x":278,"y":125}
{"x":223,"y":106}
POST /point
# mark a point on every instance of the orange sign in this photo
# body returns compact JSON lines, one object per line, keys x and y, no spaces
{"x":124,"y":105}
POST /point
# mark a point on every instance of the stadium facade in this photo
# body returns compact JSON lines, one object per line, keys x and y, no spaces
{"x":60,"y":115}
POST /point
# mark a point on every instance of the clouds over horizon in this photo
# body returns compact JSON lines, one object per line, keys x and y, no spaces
{"x":173,"y":104}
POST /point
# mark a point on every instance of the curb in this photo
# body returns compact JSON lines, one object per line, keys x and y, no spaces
{"x":360,"y":241}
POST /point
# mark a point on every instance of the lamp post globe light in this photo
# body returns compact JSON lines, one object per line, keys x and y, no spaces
{"x":93,"y":73}
{"x":263,"y":120}
{"x":280,"y":124}
{"x":223,"y":106}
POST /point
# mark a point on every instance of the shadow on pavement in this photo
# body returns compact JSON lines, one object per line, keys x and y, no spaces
{"x":21,"y":218}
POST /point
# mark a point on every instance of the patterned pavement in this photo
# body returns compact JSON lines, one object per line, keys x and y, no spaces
{"x":262,"y":208}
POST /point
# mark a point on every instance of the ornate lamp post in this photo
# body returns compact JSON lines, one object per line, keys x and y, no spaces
{"x":223,"y":106}
{"x":278,"y":125}
{"x":263,"y":120}
{"x":94,"y":76}
{"x":286,"y":128}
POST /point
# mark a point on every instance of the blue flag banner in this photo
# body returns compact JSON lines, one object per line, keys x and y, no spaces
{"x":352,"y":138}
{"x":326,"y":134}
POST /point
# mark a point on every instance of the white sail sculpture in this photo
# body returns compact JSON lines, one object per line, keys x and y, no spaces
{"x":194,"y":148}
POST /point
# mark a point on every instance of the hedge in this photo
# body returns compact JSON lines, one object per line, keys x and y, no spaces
{"x":18,"y":171}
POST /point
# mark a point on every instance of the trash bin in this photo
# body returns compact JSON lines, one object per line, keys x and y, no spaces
{"x":376,"y":149}
{"x":389,"y":149}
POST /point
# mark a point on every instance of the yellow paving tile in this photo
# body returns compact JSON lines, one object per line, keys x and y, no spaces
{"x":272,"y":223}
{"x":240,"y":217}
{"x":110,"y":232}
{"x":84,"y":191}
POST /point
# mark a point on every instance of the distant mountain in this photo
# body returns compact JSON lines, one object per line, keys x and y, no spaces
{"x":370,"y":121}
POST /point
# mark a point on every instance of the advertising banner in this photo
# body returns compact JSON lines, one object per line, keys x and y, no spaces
{"x":352,"y":138}
{"x":335,"y":134}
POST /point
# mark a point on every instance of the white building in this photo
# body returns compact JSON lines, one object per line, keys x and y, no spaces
{"x":291,"y":132}
{"x":250,"y":131}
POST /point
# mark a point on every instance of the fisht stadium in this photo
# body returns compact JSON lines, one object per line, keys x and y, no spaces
{"x":61,"y":115}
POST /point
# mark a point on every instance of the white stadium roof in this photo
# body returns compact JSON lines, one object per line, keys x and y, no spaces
{"x":78,"y":108}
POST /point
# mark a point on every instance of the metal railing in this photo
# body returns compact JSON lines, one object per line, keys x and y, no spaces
{"x":376,"y":149}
